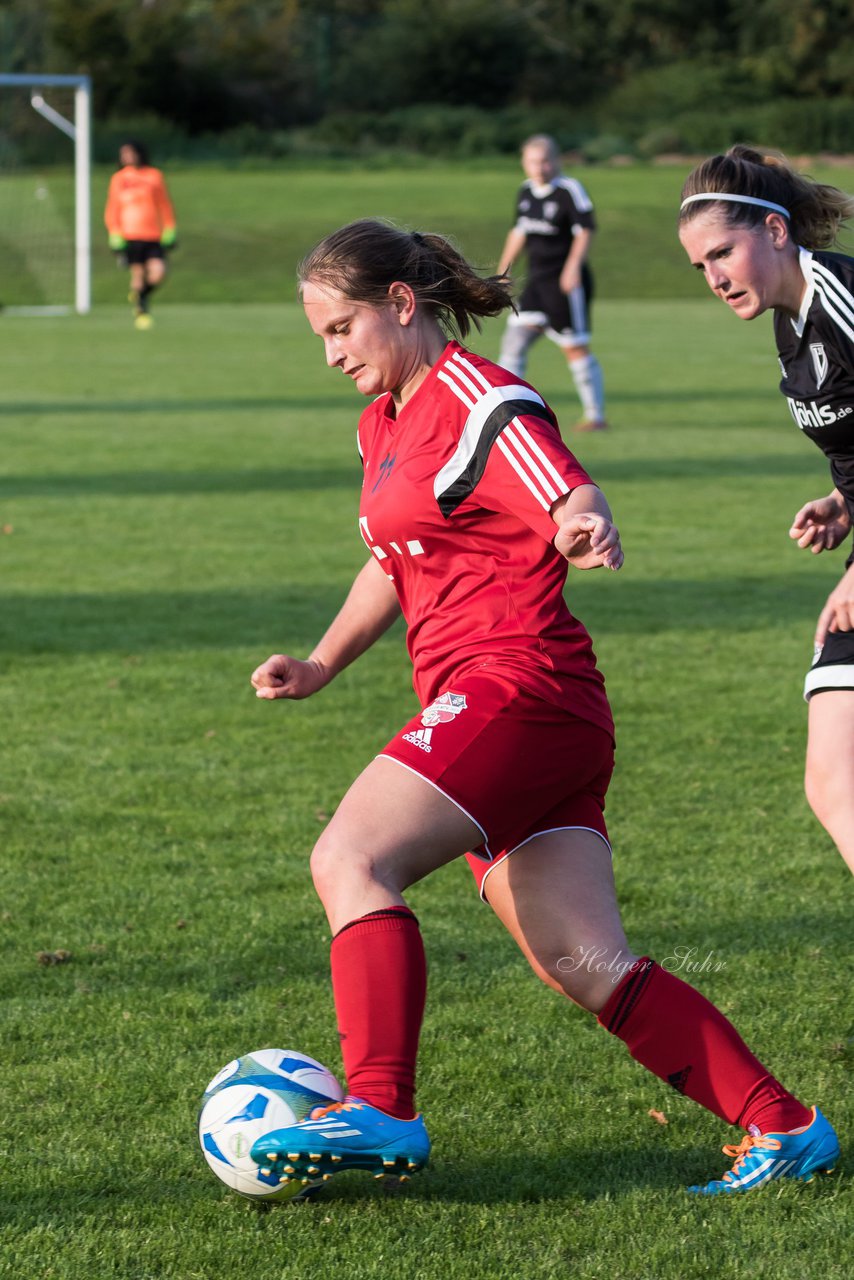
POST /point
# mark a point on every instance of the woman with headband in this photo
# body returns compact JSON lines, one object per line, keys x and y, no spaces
{"x":759,"y":233}
{"x":472,"y":508}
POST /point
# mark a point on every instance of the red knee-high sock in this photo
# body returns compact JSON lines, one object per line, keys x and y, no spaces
{"x":379,"y":980}
{"x":682,"y":1038}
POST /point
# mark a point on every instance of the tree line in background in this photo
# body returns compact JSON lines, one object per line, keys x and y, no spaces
{"x":464,"y":76}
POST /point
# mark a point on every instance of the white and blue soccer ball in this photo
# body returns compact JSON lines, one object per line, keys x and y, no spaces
{"x":259,"y":1091}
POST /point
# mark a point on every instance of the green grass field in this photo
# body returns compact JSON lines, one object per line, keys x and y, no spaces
{"x":178,"y":504}
{"x":242,"y":231}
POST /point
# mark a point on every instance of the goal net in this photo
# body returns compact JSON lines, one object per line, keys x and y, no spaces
{"x":44,"y":194}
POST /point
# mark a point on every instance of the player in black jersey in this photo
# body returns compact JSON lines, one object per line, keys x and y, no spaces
{"x":759,"y":232}
{"x":554,"y":223}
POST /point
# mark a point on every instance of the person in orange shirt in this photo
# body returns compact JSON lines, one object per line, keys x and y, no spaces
{"x":140,"y":222}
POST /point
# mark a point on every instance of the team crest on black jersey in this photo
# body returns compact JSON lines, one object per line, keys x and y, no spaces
{"x":819,"y":362}
{"x":444,"y":708}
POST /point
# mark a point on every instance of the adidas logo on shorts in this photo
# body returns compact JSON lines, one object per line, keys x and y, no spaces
{"x":420,"y":738}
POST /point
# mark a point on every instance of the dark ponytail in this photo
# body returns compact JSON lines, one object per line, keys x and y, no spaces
{"x":363,"y":258}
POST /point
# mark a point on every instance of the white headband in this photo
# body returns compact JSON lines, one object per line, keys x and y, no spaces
{"x":725,"y":195}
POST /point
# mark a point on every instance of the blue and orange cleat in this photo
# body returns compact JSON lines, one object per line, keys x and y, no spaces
{"x":345,"y":1135}
{"x":762,"y":1158}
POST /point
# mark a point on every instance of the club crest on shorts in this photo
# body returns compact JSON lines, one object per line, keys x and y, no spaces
{"x":443,"y":708}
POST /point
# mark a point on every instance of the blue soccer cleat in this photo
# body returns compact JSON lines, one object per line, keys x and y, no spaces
{"x":761,"y":1158}
{"x":346,"y":1135}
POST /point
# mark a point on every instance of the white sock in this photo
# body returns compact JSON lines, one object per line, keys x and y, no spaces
{"x":514,"y":348}
{"x":587,"y":375}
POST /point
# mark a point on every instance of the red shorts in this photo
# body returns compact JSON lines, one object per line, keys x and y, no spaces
{"x":516,"y":765}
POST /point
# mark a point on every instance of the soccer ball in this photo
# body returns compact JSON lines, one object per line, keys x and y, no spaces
{"x":263,"y":1090}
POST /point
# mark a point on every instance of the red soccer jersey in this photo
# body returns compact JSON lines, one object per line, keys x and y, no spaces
{"x":455,"y":506}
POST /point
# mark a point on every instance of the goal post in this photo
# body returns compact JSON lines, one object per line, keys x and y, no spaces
{"x":78,"y":130}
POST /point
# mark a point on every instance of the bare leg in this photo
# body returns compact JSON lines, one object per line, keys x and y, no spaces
{"x":391,"y":829}
{"x":556,"y":896}
{"x":155,"y":272}
{"x":137,"y":277}
{"x":830,"y":766}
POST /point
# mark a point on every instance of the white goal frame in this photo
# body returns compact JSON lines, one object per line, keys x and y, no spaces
{"x":80,"y":132}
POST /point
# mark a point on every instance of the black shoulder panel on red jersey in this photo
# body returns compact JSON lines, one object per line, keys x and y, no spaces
{"x":467,"y":479}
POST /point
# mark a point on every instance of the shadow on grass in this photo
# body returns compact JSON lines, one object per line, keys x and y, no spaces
{"x":504,"y":1177}
{"x":581,"y":1176}
{"x":69,"y":1208}
{"x":707,"y":606}
{"x":156,"y":621}
{"x":144,"y":404}
{"x":705,"y":470}
{"x":568,"y":1183}
{"x":126,"y":484}
{"x":301,"y":477}
{"x":151,"y":621}
{"x":692,"y":395}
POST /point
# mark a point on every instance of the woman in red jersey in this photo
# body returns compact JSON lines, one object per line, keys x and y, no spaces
{"x":760,"y":232}
{"x":472,"y":508}
{"x":140,"y":221}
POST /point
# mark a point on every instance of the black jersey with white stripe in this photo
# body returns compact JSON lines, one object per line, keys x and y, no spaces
{"x":550,"y":218}
{"x":816,"y":352}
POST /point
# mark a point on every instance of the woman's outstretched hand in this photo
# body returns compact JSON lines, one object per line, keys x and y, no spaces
{"x":284,"y":677}
{"x":589,"y":541}
{"x":822,"y":524}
